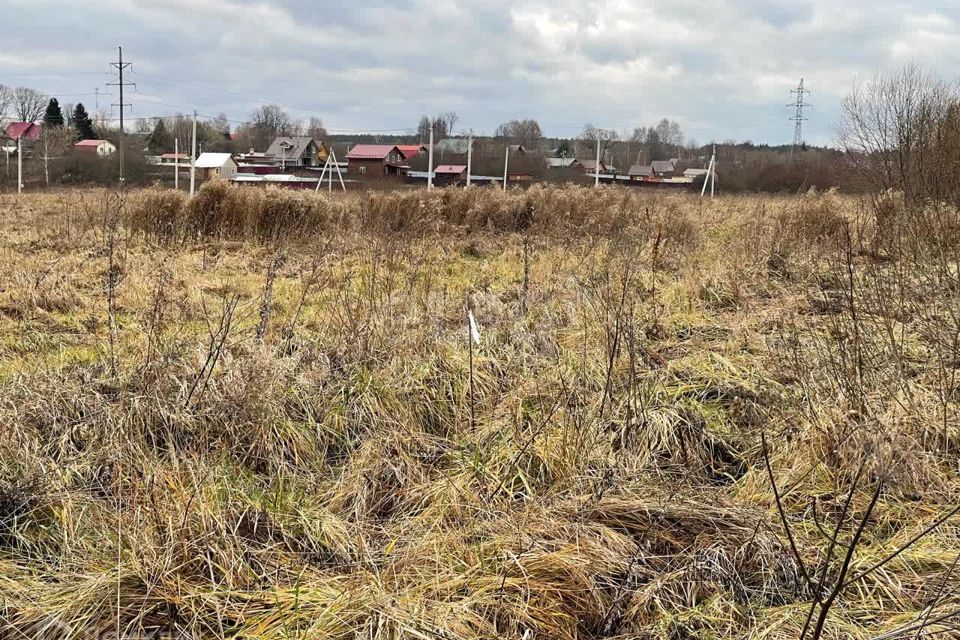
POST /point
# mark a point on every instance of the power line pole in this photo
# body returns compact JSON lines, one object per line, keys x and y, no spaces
{"x":176,"y":163}
{"x":799,"y":104}
{"x":596,"y":168}
{"x":710,"y":176}
{"x":193,"y":157}
{"x":506,"y":164}
{"x":430,"y":160}
{"x":469,"y":158}
{"x":120,"y":65}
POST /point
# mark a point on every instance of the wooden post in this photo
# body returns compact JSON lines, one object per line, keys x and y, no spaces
{"x":469,"y":158}
{"x":176,"y":164}
{"x":506,"y":163}
{"x":596,"y":169}
{"x":430,"y":160}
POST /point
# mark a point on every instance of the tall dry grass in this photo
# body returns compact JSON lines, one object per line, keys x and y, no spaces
{"x":300,"y":441}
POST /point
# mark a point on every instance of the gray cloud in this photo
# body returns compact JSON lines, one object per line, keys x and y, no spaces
{"x":723,"y":68}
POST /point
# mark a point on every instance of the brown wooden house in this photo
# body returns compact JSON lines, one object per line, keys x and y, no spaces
{"x":376,"y":161}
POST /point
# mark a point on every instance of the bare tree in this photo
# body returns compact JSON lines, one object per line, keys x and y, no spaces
{"x":588,"y":139}
{"x":423,"y":129}
{"x":315,"y":128}
{"x":28,"y":104}
{"x":101,"y":121}
{"x":53,"y":144}
{"x":6,"y":98}
{"x":221,"y":125}
{"x":526,"y":132}
{"x":268,"y":122}
{"x":901,"y":131}
{"x":448,"y":120}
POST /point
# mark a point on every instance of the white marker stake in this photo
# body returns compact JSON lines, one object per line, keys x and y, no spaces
{"x":474,"y":329}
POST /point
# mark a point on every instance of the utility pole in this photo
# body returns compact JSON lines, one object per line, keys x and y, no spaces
{"x":596,"y":169}
{"x":96,"y":98}
{"x":120,"y":65}
{"x":799,"y":104}
{"x":20,"y":164}
{"x":711,"y":172}
{"x":176,"y":163}
{"x":430,"y":160}
{"x":469,"y":158}
{"x":193,"y":158}
{"x":506,"y":163}
{"x":330,"y":165}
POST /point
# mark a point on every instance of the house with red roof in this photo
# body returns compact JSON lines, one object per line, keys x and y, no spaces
{"x":448,"y":173}
{"x":376,"y":161}
{"x":99,"y":148}
{"x":411,"y":151}
{"x":26,"y":131}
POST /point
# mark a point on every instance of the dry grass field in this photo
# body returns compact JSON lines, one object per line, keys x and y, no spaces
{"x":262,"y":415}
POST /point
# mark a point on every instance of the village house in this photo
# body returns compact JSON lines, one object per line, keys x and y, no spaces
{"x":590,"y":166}
{"x":99,"y":148}
{"x":27,"y":133}
{"x":411,"y":151}
{"x":519,"y":176}
{"x":376,"y":160}
{"x":174,"y":158}
{"x":294,"y":151}
{"x":216,"y":166}
{"x":695,"y":174}
{"x":450,"y":173}
{"x":24,"y":131}
{"x":563,"y":163}
{"x":663,"y":168}
{"x":656,"y":170}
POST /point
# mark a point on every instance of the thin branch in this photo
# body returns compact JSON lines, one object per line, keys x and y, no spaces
{"x":783,"y":518}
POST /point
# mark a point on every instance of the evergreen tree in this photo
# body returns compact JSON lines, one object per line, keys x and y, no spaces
{"x":53,"y":117}
{"x":83,"y":123}
{"x":160,"y":140}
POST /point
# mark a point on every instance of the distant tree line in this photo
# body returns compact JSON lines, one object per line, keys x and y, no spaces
{"x":743,"y":166}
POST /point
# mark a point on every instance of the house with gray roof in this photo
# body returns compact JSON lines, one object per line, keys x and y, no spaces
{"x":294,"y":151}
{"x":663,"y":168}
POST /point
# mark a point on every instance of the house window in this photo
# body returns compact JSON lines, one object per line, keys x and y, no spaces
{"x":363,"y":168}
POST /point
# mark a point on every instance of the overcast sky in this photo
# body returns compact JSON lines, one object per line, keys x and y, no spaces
{"x":722,"y":68}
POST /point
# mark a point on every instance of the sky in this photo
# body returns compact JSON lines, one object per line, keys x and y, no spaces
{"x":723,"y":69}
